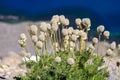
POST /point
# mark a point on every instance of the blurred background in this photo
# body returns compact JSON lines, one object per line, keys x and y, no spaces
{"x":14,"y":13}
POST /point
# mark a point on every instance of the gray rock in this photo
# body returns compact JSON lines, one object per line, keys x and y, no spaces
{"x":11,"y":59}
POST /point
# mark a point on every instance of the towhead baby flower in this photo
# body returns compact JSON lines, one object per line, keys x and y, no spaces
{"x":109,"y":52}
{"x":70,"y":61}
{"x":70,"y":30}
{"x":86,"y":23}
{"x":106,"y":34}
{"x":95,"y":40}
{"x":34,"y":38}
{"x":73,"y":38}
{"x":91,"y":47}
{"x":58,"y":59}
{"x":55,"y":18}
{"x":48,"y":26}
{"x":39,"y":44}
{"x":100,"y":29}
{"x":78,"y":22}
{"x":65,"y":32}
{"x":41,"y":37}
{"x":113,"y":45}
{"x":22,"y":41}
{"x":33,"y":29}
{"x":76,"y":32}
{"x":23,"y":36}
{"x":62,"y":18}
{"x":66,"y":22}
{"x":54,"y":27}
{"x":43,"y":26}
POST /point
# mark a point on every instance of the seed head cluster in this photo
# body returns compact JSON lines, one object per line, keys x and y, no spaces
{"x":56,"y":35}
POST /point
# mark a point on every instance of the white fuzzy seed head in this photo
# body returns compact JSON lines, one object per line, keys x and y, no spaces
{"x":86,"y":22}
{"x":23,"y":36}
{"x":62,"y":18}
{"x":113,"y":45}
{"x":55,"y":18}
{"x":39,"y":44}
{"x":106,"y":34}
{"x":100,"y":29}
{"x":78,"y":22}
{"x":109,"y":52}
{"x":91,"y":47}
{"x":58,"y":59}
{"x":73,"y":37}
{"x":95,"y":40}
{"x":70,"y":30}
{"x":48,"y":26}
{"x":70,"y":61}
{"x":22,"y":43}
{"x":65,"y":32}
{"x":66,"y":22}
{"x":43,"y":26}
{"x":76,"y":32}
{"x":54,"y":27}
{"x":41,"y":37}
{"x":33,"y":29}
{"x":34,"y":38}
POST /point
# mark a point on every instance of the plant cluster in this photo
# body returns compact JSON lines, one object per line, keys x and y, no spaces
{"x":62,"y":52}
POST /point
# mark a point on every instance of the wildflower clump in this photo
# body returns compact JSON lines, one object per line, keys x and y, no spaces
{"x":22,"y":40}
{"x":62,"y":53}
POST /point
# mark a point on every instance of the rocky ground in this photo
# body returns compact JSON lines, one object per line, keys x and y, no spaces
{"x":9,"y":66}
{"x":9,"y":49}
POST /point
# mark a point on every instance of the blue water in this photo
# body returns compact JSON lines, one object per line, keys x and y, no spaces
{"x":105,"y":12}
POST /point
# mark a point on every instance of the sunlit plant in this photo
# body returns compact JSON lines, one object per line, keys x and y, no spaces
{"x":62,"y":53}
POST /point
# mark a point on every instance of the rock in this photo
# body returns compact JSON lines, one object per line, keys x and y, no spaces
{"x":12,"y":59}
{"x":9,"y":66}
{"x":4,"y":66}
{"x":113,"y":69}
{"x":1,"y":70}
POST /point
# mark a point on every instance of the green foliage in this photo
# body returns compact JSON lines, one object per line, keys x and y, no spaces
{"x":85,"y":67}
